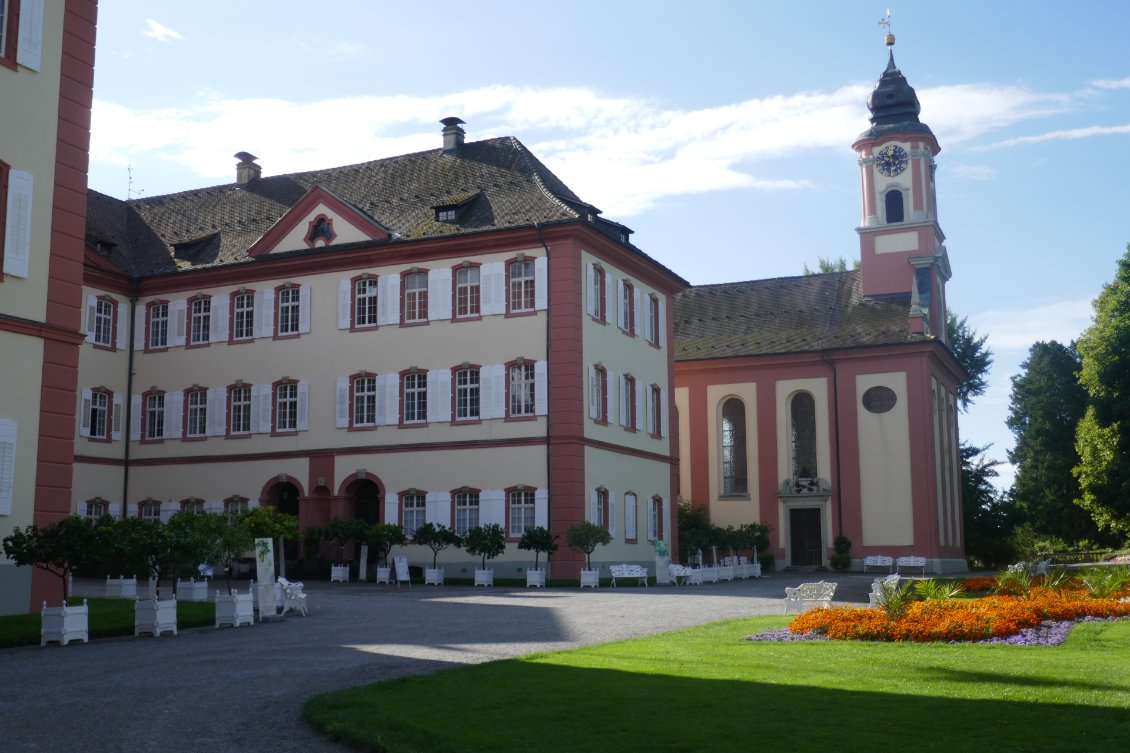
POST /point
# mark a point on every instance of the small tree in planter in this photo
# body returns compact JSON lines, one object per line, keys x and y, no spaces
{"x":437,"y":538}
{"x":383,"y":537}
{"x":230,"y":540}
{"x":585,"y":537}
{"x":59,"y":547}
{"x":487,"y":542}
{"x":268,"y":523}
{"x":342,"y":531}
{"x":842,"y":558}
{"x":539,"y":539}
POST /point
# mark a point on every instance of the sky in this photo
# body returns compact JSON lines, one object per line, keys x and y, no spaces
{"x":720,"y":131}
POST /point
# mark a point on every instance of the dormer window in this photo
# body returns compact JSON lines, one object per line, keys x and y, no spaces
{"x":445,"y":215}
{"x":321,"y":231}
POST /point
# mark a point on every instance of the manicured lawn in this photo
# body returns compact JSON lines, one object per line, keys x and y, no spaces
{"x":706,"y":689}
{"x":108,"y":617}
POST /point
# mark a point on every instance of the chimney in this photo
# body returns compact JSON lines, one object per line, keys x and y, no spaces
{"x":452,"y":135}
{"x":246,"y":171}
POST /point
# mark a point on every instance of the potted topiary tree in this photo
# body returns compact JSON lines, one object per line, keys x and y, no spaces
{"x":487,"y":542}
{"x":437,"y":538}
{"x":539,"y":539}
{"x":841,"y":560}
{"x":382,"y":538}
{"x":585,"y":537}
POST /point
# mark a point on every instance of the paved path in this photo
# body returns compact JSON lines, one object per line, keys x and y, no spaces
{"x":242,"y":689}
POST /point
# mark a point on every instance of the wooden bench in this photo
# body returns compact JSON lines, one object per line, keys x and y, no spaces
{"x":878,"y":560}
{"x":627,"y":572}
{"x":816,"y":594}
{"x":689,"y":575}
{"x":906,"y":562}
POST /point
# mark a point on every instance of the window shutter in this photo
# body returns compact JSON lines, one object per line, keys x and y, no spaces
{"x":623,"y":388}
{"x":116,"y":419}
{"x":391,"y":392}
{"x":303,"y":422}
{"x":492,"y":288}
{"x":594,"y":391}
{"x":661,"y":335}
{"x":439,"y":396}
{"x":135,"y":418}
{"x":84,"y":418}
{"x":621,"y":310}
{"x":343,"y":402}
{"x":17,"y":231}
{"x":264,"y":324}
{"x":641,"y":404}
{"x":541,"y":388}
{"x":217,"y":412}
{"x":630,"y":504}
{"x":344,"y":303}
{"x":121,"y":324}
{"x":610,"y":391}
{"x":388,"y":299}
{"x":636,"y":309}
{"x":261,"y":408}
{"x":609,"y":290}
{"x":612,"y":514}
{"x":8,"y":432}
{"x":303,"y":308}
{"x":594,"y":507}
{"x":591,"y":305}
{"x":541,"y":508}
{"x":492,"y":507}
{"x":91,"y":313}
{"x":651,"y":409}
{"x":663,"y":414}
{"x":139,"y":316}
{"x":541,"y":282}
{"x":218,"y":321}
{"x":178,"y":313}
{"x":437,"y":508}
{"x":392,"y":509}
{"x":31,"y":34}
{"x":647,"y":331}
{"x":439,"y":294}
{"x":174,"y":415}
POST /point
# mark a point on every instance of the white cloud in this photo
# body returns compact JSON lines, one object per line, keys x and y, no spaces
{"x":1072,"y":133}
{"x":160,"y":32}
{"x":1018,"y":329}
{"x":971,"y":172}
{"x":1112,"y":83}
{"x":348,"y":51}
{"x":623,"y":154}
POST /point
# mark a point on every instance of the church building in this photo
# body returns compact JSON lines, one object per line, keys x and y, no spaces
{"x":826,"y":405}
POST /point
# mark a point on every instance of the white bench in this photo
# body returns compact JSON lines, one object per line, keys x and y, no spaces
{"x":690,"y":576}
{"x":816,"y":594}
{"x":906,"y":562}
{"x":293,"y":596}
{"x":64,"y":624}
{"x":876,"y":598}
{"x":627,"y":572}
{"x":878,"y":560}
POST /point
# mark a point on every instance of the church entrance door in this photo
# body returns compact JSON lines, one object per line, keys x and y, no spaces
{"x":805,"y":543}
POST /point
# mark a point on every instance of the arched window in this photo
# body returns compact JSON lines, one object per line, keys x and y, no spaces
{"x":802,"y":429}
{"x":893,"y":200}
{"x":734,"y":478}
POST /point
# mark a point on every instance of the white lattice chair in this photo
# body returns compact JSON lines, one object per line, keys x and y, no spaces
{"x":293,"y":596}
{"x":875,"y":598}
{"x":810,"y":594}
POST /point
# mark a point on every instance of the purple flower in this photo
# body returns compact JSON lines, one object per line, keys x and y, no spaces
{"x":784,"y":634}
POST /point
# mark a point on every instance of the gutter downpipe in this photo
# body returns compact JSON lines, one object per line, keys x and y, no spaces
{"x":836,"y":442}
{"x":548,"y":392}
{"x":128,"y":398}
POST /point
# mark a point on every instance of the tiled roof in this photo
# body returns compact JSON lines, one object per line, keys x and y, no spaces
{"x":215,"y":226}
{"x":786,"y":315}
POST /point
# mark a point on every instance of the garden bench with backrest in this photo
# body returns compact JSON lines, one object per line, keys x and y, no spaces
{"x":903,"y":563}
{"x":876,"y":597}
{"x":878,"y":560}
{"x":293,"y":596}
{"x":627,"y":572}
{"x":806,"y":594}
{"x":689,"y":575}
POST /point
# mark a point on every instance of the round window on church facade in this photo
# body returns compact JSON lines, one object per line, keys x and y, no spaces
{"x":879,"y":399}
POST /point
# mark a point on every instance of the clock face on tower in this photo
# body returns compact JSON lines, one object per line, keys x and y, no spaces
{"x":891,"y":160}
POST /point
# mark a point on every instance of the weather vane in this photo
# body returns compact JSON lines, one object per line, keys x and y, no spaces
{"x":885,"y":22}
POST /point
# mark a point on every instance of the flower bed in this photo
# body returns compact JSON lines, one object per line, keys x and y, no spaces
{"x":991,"y":617}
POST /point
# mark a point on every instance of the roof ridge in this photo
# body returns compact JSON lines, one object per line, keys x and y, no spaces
{"x":813,"y":276}
{"x":525,"y":155}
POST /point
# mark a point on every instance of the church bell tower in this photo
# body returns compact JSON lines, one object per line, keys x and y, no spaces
{"x":901,"y":243}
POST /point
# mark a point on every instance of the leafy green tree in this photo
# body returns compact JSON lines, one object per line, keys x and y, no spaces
{"x":231,"y":539}
{"x":487,"y":542}
{"x":988,"y":518}
{"x":268,"y":522}
{"x":1046,"y":405}
{"x":1103,"y":436}
{"x":974,"y":357}
{"x":383,"y":537}
{"x":60,"y":547}
{"x":827,"y":265}
{"x":694,"y":529}
{"x":539,"y":539}
{"x":342,"y":531}
{"x":437,"y":538}
{"x":585,"y":537}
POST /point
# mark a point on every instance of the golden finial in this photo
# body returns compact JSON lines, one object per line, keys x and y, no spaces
{"x":885,"y":22}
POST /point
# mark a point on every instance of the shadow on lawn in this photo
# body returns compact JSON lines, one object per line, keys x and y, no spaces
{"x":503,"y":706}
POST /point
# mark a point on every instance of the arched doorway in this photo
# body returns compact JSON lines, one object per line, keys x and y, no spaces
{"x":361,"y":498}
{"x":366,"y":501}
{"x":283,"y":496}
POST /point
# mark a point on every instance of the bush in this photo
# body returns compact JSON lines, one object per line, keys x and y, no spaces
{"x":487,"y":542}
{"x":539,"y":539}
{"x":585,"y":537}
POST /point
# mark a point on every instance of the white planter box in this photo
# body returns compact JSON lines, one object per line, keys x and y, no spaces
{"x":590,"y":578}
{"x":726,"y":572}
{"x":121,"y":588}
{"x":64,"y":624}
{"x":433,"y":576}
{"x":339,"y":573}
{"x":155,"y":617}
{"x":484,"y":577}
{"x":384,"y":575}
{"x":709,"y":574}
{"x":755,"y":569}
{"x":192,"y":590}
{"x":535,"y":578}
{"x":235,"y":609}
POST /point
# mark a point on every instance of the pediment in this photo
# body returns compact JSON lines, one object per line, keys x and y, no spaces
{"x":320,"y":219}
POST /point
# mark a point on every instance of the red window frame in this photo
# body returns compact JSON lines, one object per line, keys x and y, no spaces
{"x":276,"y":412}
{"x":146,"y":506}
{"x":416,"y":495}
{"x":370,"y":283}
{"x":602,"y":503}
{"x":473,"y":298}
{"x":600,"y":280}
{"x":229,"y":433}
{"x":239,"y":503}
{"x":628,"y":383}
{"x":185,"y":421}
{"x":5,"y":168}
{"x":602,"y":404}
{"x":655,"y":508}
{"x":421,"y":374}
{"x":233,"y":317}
{"x":354,"y":425}
{"x":296,"y":305}
{"x":525,"y":288}
{"x":312,"y":240}
{"x":653,"y":314}
{"x":145,"y":411}
{"x":192,"y":505}
{"x":510,"y":492}
{"x":531,"y":365}
{"x":113,"y":303}
{"x":417,"y":297}
{"x":455,"y":372}
{"x":628,"y":303}
{"x":150,"y":307}
{"x":455,"y":494}
{"x":655,"y":396}
{"x":194,"y":316}
{"x":108,"y":434}
{"x":10,"y":44}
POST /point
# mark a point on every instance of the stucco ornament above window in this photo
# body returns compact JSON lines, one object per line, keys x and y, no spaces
{"x":794,"y":486}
